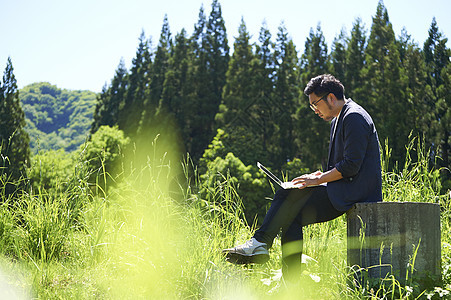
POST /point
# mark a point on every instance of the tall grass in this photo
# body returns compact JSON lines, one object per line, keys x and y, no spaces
{"x":414,"y":180}
{"x":151,"y":236}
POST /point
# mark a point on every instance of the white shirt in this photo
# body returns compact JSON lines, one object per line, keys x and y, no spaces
{"x":335,"y":125}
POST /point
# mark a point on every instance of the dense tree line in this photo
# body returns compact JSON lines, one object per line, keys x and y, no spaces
{"x":179,"y":83}
{"x":255,"y":94}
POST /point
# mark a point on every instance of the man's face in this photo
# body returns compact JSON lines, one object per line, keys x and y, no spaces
{"x":321,"y":106}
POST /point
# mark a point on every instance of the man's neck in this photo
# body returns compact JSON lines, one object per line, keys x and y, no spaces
{"x":339,"y":107}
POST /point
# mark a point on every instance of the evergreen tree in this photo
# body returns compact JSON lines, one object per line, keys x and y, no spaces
{"x":263,"y":66}
{"x":137,"y":90}
{"x":286,"y":95}
{"x":210,"y":61}
{"x":436,"y":55}
{"x":237,"y":94}
{"x":315,"y":60}
{"x":157,"y":77}
{"x":195,"y":137}
{"x":265,"y":61}
{"x":416,"y":90}
{"x":384,"y":89}
{"x":355,"y":61}
{"x":239,"y":111}
{"x":338,"y":56}
{"x":443,"y":105}
{"x":100,"y":114}
{"x":313,"y":140}
{"x":14,"y":140}
{"x":174,"y":99}
{"x":217,"y":48}
{"x":110,"y":108}
{"x":437,"y":59}
{"x":117,"y":107}
{"x":175,"y":86}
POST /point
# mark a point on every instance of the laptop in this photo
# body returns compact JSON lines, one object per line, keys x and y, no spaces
{"x":285,"y":185}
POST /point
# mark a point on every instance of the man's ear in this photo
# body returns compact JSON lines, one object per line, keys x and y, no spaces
{"x":331,"y":99}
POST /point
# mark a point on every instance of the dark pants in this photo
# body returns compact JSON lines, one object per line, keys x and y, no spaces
{"x":290,"y":211}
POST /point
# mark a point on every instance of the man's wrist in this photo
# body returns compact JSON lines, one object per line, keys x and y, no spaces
{"x":331,"y":175}
{"x":322,"y":178}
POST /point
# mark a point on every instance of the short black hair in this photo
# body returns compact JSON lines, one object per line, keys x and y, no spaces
{"x":323,"y":84}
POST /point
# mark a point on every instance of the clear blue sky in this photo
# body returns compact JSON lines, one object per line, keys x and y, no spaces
{"x":78,"y":44}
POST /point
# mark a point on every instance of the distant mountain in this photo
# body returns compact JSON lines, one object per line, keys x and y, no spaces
{"x":56,"y":118}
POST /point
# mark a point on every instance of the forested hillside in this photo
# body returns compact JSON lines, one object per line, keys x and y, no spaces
{"x":56,"y":118}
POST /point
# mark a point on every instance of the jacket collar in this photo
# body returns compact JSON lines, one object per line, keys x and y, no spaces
{"x":337,"y":124}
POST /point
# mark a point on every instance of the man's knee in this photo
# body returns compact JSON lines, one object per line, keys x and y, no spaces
{"x":281,"y":195}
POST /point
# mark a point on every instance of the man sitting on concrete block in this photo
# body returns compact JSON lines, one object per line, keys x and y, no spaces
{"x":353,"y":174}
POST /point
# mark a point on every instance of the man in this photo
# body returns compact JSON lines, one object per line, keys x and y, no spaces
{"x":353,"y":175}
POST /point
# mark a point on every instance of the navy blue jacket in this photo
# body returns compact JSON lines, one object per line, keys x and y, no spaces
{"x":354,"y":151}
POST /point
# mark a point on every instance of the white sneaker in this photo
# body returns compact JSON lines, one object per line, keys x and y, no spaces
{"x":251,"y":252}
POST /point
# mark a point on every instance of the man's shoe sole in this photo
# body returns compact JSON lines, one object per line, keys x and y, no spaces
{"x":242,"y":259}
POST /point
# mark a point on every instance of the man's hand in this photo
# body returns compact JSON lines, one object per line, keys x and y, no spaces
{"x":308,"y":179}
{"x":317,"y":178}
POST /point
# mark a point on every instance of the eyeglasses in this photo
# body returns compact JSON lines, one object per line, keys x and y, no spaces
{"x":314,"y":106}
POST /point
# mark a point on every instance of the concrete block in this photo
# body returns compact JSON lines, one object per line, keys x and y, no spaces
{"x":399,"y":238}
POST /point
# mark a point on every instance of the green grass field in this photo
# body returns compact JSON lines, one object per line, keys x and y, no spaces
{"x":146,"y":235}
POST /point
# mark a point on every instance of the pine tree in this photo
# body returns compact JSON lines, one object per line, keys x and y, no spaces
{"x":265,"y":60}
{"x":443,"y":109}
{"x":237,"y":94}
{"x":416,"y":90}
{"x":315,"y":60}
{"x":137,"y":89}
{"x":175,"y":95}
{"x":217,"y":48}
{"x":209,"y":67}
{"x":238,"y":114}
{"x":377,"y":57}
{"x":14,"y":140}
{"x":286,"y":95}
{"x":199,"y":33}
{"x":313,"y":140}
{"x":437,"y":59}
{"x":195,"y":137}
{"x":100,"y":116}
{"x":338,"y":56}
{"x":175,"y":88}
{"x":157,"y":77}
{"x":355,"y":61}
{"x":263,"y":66}
{"x":110,"y":108}
{"x":436,"y":56}
{"x":384,"y":87}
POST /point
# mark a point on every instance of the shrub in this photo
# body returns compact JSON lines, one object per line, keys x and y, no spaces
{"x":246,"y":180}
{"x":51,"y":170}
{"x":103,"y":155}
